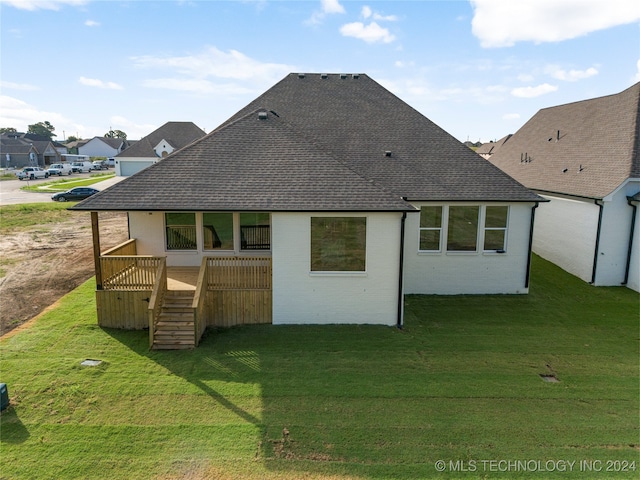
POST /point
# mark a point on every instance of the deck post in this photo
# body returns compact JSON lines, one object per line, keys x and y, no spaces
{"x":95,"y":229}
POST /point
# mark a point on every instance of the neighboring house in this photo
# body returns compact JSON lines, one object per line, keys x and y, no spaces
{"x":487,"y":149}
{"x":583,"y":156}
{"x":156,"y":146}
{"x":17,"y":153}
{"x":103,"y":147}
{"x":323,"y":201}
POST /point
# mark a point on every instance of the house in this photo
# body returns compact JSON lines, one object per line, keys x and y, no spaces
{"x":103,"y":147}
{"x":19,"y":150}
{"x":583,"y":157}
{"x":155,"y":146}
{"x":324,"y":200}
{"x":487,"y":149}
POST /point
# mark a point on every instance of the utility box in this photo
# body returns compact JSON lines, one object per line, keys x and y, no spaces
{"x":4,"y":396}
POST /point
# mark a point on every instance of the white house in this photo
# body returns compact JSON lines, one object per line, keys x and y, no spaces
{"x":156,"y":146}
{"x":343,"y":195}
{"x":103,"y":147}
{"x":583,"y":157}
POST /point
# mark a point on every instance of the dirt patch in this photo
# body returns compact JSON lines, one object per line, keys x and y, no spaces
{"x":45,"y":262}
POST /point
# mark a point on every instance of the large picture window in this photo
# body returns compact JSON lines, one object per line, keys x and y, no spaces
{"x":462,"y":234}
{"x":217,"y":231}
{"x":338,"y":244}
{"x":255,"y":231}
{"x":180,"y":231}
{"x":430,"y":228}
{"x":495,"y":228}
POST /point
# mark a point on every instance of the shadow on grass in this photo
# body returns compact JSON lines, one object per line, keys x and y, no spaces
{"x":13,"y":430}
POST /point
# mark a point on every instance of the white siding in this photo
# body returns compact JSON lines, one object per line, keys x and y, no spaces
{"x":97,"y":148}
{"x":469,"y":273}
{"x":126,"y":167}
{"x":565,"y":234}
{"x":301,"y":297}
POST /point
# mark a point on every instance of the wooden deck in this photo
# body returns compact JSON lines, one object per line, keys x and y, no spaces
{"x":182,"y":278}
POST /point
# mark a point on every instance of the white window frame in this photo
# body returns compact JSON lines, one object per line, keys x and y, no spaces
{"x":505,"y":229}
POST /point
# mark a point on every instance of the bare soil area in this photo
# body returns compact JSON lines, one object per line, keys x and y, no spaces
{"x":45,"y":262}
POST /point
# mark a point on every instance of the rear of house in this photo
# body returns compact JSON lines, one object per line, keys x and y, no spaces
{"x":315,"y":205}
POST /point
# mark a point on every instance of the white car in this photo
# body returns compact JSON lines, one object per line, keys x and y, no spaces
{"x":31,"y":173}
{"x":60,"y":169}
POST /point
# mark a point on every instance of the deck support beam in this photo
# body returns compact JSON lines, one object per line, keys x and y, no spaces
{"x":95,"y":229}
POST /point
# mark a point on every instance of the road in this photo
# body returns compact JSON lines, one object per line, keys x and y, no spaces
{"x":10,"y":193}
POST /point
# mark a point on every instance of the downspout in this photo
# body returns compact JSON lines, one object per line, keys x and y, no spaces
{"x":528,"y":271}
{"x":399,"y":322}
{"x":631,"y":202}
{"x":595,"y":254}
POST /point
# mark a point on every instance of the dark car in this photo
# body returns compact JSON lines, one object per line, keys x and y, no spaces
{"x":78,"y":193}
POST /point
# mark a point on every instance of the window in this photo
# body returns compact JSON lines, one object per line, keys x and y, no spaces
{"x":430,"y":228}
{"x":495,"y":228}
{"x":338,"y":244}
{"x":462,"y":234}
{"x":180,"y":231}
{"x":217,"y":231}
{"x":255,"y":231}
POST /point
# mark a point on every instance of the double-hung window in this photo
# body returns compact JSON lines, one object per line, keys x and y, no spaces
{"x":338,"y":244}
{"x":180,"y":229}
{"x":430,"y":228}
{"x":495,"y":228}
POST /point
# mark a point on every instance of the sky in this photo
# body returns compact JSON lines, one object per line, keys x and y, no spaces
{"x":479,"y":69}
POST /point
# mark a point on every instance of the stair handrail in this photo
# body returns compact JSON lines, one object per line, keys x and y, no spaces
{"x":156,"y":298}
{"x":199,"y":323}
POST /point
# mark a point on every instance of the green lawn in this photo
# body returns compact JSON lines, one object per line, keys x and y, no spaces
{"x":64,"y":184}
{"x":460,"y":384}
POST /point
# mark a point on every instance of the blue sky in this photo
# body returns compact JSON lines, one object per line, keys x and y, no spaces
{"x":479,"y":69}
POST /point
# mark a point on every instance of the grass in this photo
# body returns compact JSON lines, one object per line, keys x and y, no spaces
{"x":23,"y":216}
{"x":65,"y":184}
{"x":460,"y":384}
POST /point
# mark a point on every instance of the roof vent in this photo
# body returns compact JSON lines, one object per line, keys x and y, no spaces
{"x":356,"y":76}
{"x":343,"y":76}
{"x":301,"y":75}
{"x":262,"y":115}
{"x":387,"y":153}
{"x":324,"y":76}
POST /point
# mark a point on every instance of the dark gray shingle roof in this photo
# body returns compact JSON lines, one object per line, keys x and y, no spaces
{"x":586,"y":148}
{"x":178,"y":134}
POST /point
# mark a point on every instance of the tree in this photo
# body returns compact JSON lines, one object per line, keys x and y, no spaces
{"x":8,"y":130}
{"x":116,"y":134}
{"x":72,"y":138}
{"x":44,"y":129}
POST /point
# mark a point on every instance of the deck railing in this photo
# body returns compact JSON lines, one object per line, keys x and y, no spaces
{"x":238,"y":273}
{"x":199,"y":318}
{"x":122,"y":272}
{"x":125,"y":248}
{"x":156,"y":298}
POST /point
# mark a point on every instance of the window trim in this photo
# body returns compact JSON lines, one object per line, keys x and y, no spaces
{"x":444,"y":215}
{"x":480,"y":209}
{"x":353,"y":273}
{"x":195,"y":229}
{"x":505,"y":229}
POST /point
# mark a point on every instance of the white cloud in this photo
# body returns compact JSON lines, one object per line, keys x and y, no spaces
{"x":19,"y":115}
{"x":93,"y":82}
{"x":570,"y":75}
{"x":42,"y":4}
{"x":366,"y":13}
{"x":18,"y":86}
{"x":531,"y":92}
{"x":327,"y":7}
{"x":197,"y":73}
{"x":371,"y":33}
{"x":502,"y":23}
{"x":525,"y":77}
{"x":92,"y":23}
{"x":511,"y":116}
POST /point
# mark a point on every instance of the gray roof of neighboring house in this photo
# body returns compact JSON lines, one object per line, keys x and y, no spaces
{"x":490,"y":148}
{"x":178,"y":134}
{"x":585,"y":149}
{"x":323,"y":147}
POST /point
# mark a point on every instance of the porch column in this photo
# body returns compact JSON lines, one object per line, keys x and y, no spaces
{"x":95,"y":229}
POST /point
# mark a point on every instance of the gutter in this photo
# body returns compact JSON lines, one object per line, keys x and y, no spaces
{"x":595,"y":254}
{"x":633,"y":204}
{"x":528,"y":271}
{"x":399,"y":321}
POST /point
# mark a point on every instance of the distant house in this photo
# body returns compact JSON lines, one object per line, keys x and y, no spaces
{"x":23,"y":149}
{"x":156,"y":146}
{"x":487,"y":149}
{"x":323,"y":201}
{"x":103,"y":147}
{"x":583,"y":156}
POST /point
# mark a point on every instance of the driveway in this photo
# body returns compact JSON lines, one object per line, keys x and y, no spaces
{"x":10,"y":193}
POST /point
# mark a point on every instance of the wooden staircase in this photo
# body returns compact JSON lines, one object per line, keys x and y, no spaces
{"x":174,"y":329}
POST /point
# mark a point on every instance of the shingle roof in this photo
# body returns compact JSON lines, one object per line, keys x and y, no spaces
{"x":586,"y":148}
{"x":490,"y":148}
{"x":358,"y":120}
{"x":330,"y":142}
{"x":251,"y":165}
{"x":178,"y":134}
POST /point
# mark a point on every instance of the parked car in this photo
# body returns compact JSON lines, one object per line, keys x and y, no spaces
{"x":78,"y":193}
{"x":100,"y":165}
{"x":111,"y":162}
{"x":60,"y":169}
{"x":81,"y":167}
{"x":32,"y":173}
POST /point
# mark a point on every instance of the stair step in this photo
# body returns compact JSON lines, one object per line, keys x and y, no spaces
{"x":173,"y":347}
{"x":174,"y":325}
{"x":172,"y":341}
